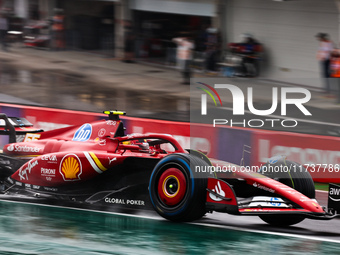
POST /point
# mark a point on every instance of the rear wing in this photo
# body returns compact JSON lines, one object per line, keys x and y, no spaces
{"x":15,"y":126}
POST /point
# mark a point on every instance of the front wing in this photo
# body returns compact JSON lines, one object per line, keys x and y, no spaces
{"x":221,"y":198}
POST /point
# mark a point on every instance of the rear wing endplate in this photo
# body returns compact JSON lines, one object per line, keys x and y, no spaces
{"x":13,"y":126}
{"x":8,"y":128}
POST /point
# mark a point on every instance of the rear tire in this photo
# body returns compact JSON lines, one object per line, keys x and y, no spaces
{"x":298,"y":178}
{"x":177,"y":191}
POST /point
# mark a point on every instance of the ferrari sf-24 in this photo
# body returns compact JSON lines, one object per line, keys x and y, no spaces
{"x":97,"y":166}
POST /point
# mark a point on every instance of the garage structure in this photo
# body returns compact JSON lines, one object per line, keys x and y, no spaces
{"x":157,"y":22}
{"x":286,"y":28}
{"x":287,"y":31}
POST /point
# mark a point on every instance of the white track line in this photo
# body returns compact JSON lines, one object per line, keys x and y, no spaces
{"x":321,"y":191}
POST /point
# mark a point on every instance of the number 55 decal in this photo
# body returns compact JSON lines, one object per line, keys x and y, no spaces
{"x":31,"y":137}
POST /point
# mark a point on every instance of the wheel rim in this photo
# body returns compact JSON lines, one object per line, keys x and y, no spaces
{"x":172,"y":187}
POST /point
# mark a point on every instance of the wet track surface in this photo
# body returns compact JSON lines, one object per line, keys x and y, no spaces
{"x":34,"y":229}
{"x":76,"y":91}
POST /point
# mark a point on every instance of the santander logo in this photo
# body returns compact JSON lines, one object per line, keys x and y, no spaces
{"x":23,"y":148}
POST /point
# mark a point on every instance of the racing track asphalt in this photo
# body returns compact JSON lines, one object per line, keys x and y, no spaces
{"x":56,"y":229}
{"x":316,"y":230}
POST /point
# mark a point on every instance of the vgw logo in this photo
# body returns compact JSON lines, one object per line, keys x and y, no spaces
{"x":83,"y":133}
{"x":239,"y":104}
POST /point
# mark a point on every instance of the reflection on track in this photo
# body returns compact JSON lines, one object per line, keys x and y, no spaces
{"x":32,"y":229}
{"x":74,"y":91}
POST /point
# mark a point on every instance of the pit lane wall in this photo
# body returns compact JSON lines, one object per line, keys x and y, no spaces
{"x":320,"y":154}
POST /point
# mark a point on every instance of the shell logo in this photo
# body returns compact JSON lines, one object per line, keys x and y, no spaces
{"x":70,"y":167}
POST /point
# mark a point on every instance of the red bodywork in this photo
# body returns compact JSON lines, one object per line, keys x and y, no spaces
{"x":262,"y":182}
{"x":76,"y":154}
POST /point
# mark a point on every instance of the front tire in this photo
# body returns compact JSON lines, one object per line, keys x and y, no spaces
{"x":297,"y":178}
{"x":177,"y":187}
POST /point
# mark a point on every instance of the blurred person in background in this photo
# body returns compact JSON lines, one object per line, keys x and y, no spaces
{"x":251,"y":51}
{"x":58,"y":30}
{"x":185,"y":47}
{"x":324,"y":56}
{"x":245,"y":56}
{"x":335,"y":69}
{"x":3,"y":31}
{"x":212,"y":48}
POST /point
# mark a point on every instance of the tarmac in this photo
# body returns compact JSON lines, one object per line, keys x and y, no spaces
{"x":106,"y":74}
{"x":109,"y":71}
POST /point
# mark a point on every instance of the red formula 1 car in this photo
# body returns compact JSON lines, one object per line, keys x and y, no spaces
{"x":97,"y":166}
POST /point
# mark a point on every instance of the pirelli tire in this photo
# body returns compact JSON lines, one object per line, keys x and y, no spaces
{"x":293,"y":175}
{"x":177,"y":190}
